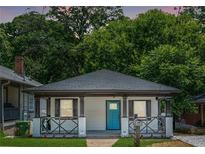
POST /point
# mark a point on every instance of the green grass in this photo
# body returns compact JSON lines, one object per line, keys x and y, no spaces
{"x":41,"y":142}
{"x":1,"y":134}
{"x":128,"y":142}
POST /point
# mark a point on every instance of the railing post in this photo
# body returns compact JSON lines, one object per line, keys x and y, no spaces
{"x":82,"y":127}
{"x":36,"y":127}
{"x":124,"y":127}
{"x":168,"y":127}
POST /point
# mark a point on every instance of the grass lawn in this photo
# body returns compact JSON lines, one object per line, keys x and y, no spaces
{"x":128,"y":142}
{"x":42,"y":142}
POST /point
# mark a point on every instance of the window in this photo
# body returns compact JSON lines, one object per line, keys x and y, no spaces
{"x":30,"y":103}
{"x":140,"y":108}
{"x":66,"y":108}
{"x":43,"y":105}
{"x":113,"y":106}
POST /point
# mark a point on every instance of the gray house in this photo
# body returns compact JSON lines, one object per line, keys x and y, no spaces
{"x":14,"y":104}
{"x":100,"y":103}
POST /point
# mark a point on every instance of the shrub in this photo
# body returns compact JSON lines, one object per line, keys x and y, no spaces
{"x":22,"y":128}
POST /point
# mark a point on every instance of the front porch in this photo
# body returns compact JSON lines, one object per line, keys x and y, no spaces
{"x":93,"y":117}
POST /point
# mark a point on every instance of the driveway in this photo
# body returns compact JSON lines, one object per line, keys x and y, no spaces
{"x":195,"y":140}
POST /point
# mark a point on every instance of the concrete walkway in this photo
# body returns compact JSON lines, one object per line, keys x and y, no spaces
{"x":195,"y":140}
{"x":101,"y":142}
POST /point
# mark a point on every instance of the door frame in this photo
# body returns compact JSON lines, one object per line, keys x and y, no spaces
{"x":106,"y":104}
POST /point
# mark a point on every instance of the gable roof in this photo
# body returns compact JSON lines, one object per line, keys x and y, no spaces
{"x":9,"y":74}
{"x":103,"y":80}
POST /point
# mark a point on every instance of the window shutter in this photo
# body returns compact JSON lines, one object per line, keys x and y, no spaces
{"x":124,"y":106}
{"x":148,"y":108}
{"x":159,"y":107}
{"x":48,"y":107}
{"x":75,"y":107}
{"x":57,"y":108}
{"x":131,"y":108}
{"x":37,"y":107}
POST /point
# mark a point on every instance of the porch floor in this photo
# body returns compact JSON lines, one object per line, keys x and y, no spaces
{"x":103,"y":133}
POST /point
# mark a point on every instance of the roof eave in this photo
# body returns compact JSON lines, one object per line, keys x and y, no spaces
{"x":103,"y":92}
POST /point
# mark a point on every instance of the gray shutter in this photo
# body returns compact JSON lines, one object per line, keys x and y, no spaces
{"x":148,"y":108}
{"x":37,"y":107}
{"x":75,"y":107}
{"x":124,"y":106}
{"x":159,"y":107}
{"x":48,"y":107}
{"x":82,"y":107}
{"x":57,"y":108}
{"x":131,"y":108}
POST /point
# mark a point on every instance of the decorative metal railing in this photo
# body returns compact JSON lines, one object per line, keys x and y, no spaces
{"x":148,"y":125}
{"x":59,"y":125}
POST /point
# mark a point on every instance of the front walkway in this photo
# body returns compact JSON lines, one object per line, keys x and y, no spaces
{"x":195,"y":140}
{"x":102,"y":138}
{"x":101,"y":142}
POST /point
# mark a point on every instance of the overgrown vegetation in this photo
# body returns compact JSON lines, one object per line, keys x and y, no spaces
{"x":69,"y":41}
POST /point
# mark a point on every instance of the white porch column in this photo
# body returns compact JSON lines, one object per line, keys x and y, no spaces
{"x":36,"y":127}
{"x":81,"y":127}
{"x":124,"y":127}
{"x":169,"y":126}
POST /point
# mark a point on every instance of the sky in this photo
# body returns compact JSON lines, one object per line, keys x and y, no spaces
{"x":7,"y":13}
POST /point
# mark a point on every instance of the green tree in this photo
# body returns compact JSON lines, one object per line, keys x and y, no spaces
{"x":82,"y":20}
{"x":5,"y":49}
{"x":175,"y":66}
{"x":42,"y":43}
{"x":197,"y":12}
{"x":109,"y":47}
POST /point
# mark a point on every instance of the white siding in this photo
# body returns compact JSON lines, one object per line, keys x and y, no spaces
{"x":95,"y":112}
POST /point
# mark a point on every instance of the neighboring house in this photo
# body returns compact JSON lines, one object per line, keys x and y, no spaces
{"x":101,"y":102}
{"x":14,"y":104}
{"x":198,"y":118}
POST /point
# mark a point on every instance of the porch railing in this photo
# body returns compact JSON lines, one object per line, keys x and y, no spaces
{"x":150,"y":126}
{"x":59,"y":125}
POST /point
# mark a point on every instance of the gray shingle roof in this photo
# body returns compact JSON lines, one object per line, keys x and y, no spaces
{"x":104,"y":80}
{"x":8,"y":74}
{"x":199,"y":99}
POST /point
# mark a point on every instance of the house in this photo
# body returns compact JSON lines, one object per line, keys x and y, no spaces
{"x":197,"y":118}
{"x":14,"y":104}
{"x":102,"y":102}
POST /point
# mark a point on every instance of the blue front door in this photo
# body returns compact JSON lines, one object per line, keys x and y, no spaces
{"x":113,"y":114}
